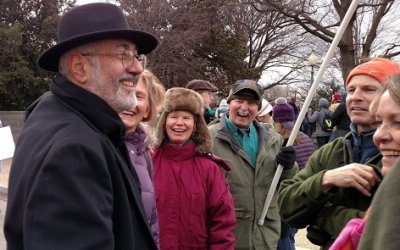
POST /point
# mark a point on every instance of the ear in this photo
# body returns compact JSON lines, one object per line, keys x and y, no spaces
{"x":79,"y":67}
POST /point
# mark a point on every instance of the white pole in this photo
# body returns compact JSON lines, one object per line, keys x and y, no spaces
{"x":307,"y":102}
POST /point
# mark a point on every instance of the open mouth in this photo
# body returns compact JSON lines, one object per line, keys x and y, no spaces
{"x":243,"y":114}
{"x":130,"y":113}
{"x":391,"y":153}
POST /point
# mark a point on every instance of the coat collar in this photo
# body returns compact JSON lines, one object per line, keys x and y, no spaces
{"x":90,"y":107}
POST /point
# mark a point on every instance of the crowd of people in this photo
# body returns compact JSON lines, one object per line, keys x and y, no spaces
{"x":109,"y":159}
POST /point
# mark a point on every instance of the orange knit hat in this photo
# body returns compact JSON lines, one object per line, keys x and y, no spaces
{"x":379,"y":68}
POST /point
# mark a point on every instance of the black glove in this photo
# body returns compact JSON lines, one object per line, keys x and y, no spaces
{"x":286,"y":157}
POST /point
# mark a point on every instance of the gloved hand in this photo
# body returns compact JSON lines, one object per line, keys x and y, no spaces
{"x":286,"y":157}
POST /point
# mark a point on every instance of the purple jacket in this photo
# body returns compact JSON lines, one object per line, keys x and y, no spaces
{"x":136,"y":143}
{"x":304,"y":150}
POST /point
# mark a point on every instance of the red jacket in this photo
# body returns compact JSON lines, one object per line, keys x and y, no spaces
{"x":194,"y":205}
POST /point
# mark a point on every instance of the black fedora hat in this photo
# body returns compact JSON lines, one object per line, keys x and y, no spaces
{"x":93,"y":22}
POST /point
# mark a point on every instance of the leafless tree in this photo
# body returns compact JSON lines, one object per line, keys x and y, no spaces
{"x":371,"y":31}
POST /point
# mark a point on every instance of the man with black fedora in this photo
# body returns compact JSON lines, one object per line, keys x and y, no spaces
{"x":71,"y":185}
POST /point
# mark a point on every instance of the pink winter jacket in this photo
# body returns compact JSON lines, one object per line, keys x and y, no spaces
{"x":194,"y":205}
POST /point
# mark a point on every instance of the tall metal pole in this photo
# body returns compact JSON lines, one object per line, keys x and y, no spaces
{"x":307,"y":102}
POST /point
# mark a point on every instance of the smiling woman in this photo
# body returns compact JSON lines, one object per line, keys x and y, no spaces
{"x":194,"y":205}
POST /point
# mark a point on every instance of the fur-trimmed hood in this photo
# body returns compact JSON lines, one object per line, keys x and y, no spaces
{"x":184,"y":99}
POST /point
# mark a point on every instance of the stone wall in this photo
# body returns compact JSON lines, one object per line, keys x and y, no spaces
{"x":14,"y":119}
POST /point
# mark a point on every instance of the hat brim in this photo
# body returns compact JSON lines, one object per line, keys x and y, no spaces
{"x":144,"y":41}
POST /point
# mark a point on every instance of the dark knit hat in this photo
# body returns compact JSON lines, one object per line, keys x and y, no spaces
{"x":246,"y":90}
{"x":282,"y":111}
{"x":183,"y":99}
{"x":337,"y":97}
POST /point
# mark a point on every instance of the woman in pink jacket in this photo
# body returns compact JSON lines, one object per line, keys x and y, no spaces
{"x":194,"y":205}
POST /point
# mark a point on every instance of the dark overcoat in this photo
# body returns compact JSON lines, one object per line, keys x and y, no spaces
{"x":71,"y":185}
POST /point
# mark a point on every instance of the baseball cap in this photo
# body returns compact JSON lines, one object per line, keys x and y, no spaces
{"x":246,"y":90}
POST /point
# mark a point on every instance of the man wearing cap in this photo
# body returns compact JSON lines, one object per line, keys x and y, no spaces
{"x":340,"y":179}
{"x":254,"y":152}
{"x":71,"y":185}
{"x":205,"y":89}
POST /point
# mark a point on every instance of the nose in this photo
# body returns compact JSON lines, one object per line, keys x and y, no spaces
{"x":136,"y":67}
{"x":179,"y":120}
{"x":382,"y":134}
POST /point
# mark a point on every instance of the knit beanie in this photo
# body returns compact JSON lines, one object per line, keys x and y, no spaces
{"x":282,"y":111}
{"x":183,"y":99}
{"x":378,"y":68}
{"x":337,"y":97}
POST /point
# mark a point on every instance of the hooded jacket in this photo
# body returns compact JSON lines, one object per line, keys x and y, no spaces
{"x":249,"y":185}
{"x":318,"y":117}
{"x":71,"y":182}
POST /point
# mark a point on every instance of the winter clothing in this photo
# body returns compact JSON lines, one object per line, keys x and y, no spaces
{"x":302,"y":201}
{"x":341,"y":120}
{"x":337,"y":97}
{"x":75,"y":28}
{"x":198,"y":85}
{"x":350,"y":236}
{"x":286,"y":157}
{"x":303,"y":145}
{"x":185,"y":100}
{"x":71,"y":182}
{"x":246,"y":90}
{"x":136,"y":142}
{"x":317,"y":117}
{"x":247,"y":140}
{"x":378,"y":68}
{"x":209,"y":115}
{"x":194,"y":204}
{"x":282,"y":111}
{"x":249,"y":184}
{"x":266,"y":108}
{"x":381,"y":230}
{"x":304,"y":150}
{"x":222,"y":109}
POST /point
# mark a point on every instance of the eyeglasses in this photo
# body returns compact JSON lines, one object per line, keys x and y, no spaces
{"x":127,"y":57}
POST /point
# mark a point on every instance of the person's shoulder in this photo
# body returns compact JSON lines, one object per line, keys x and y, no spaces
{"x":220,"y":162}
{"x":215,"y":125}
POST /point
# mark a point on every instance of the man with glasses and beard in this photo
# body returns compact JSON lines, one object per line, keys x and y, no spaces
{"x":71,"y":183}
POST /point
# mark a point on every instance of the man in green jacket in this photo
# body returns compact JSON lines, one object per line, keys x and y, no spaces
{"x":253,"y":152}
{"x":339,"y":179}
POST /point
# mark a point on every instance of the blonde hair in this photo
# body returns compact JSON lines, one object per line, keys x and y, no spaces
{"x":155,"y":91}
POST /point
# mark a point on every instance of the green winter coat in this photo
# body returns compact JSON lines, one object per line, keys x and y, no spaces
{"x":249,"y":186}
{"x":302,"y":201}
{"x":382,"y":229}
